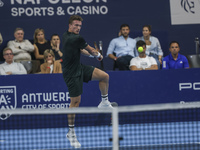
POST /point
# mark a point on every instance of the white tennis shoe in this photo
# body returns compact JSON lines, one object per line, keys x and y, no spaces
{"x":73,"y":140}
{"x":105,"y":104}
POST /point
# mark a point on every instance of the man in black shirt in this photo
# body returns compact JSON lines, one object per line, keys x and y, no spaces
{"x":75,"y":73}
{"x":55,"y":46}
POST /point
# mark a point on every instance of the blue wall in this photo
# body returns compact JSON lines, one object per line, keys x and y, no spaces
{"x":48,"y":91}
{"x":126,"y":88}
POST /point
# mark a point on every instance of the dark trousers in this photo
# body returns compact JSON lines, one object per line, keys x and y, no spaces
{"x":123,"y":62}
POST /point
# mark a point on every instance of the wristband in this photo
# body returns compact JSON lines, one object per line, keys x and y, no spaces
{"x":98,"y":55}
{"x":48,"y":67}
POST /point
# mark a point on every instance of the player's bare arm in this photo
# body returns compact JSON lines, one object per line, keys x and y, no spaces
{"x":85,"y":52}
{"x":94,"y":52}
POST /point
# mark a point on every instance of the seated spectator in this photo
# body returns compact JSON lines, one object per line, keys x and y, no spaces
{"x":123,"y":47}
{"x":175,"y":60}
{"x":1,"y":39}
{"x":50,"y":65}
{"x":21,"y":48}
{"x":153,"y":47}
{"x":40,"y":44}
{"x":10,"y":67}
{"x":143,"y":62}
{"x":55,"y":46}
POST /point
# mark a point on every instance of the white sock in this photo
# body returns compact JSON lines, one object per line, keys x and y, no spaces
{"x":104,"y":98}
{"x":71,"y":128}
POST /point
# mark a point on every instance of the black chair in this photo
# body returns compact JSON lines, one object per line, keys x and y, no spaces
{"x":27,"y":66}
{"x":32,"y":66}
{"x":194,"y":61}
{"x":114,"y":64}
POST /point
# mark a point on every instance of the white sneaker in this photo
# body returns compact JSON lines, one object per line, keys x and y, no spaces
{"x":105,"y":104}
{"x":73,"y":140}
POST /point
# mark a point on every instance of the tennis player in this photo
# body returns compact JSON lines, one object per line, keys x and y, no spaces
{"x":75,"y":73}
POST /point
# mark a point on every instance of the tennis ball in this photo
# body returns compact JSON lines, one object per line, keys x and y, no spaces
{"x":140,"y":49}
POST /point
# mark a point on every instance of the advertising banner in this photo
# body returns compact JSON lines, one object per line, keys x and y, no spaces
{"x":49,"y":91}
{"x":185,"y":12}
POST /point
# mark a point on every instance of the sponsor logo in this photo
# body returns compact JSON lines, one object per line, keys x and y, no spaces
{"x":8,"y":100}
{"x":1,"y":3}
{"x":51,"y":100}
{"x":189,"y":86}
{"x":58,"y":7}
{"x":185,"y":11}
{"x":189,"y":5}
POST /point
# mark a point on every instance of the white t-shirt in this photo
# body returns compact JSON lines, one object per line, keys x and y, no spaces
{"x":15,"y":68}
{"x":143,"y":62}
{"x":51,"y":68}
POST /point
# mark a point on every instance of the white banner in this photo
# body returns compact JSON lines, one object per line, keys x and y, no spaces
{"x":185,"y":12}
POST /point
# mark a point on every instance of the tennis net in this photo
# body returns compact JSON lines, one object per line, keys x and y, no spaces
{"x":171,"y":126}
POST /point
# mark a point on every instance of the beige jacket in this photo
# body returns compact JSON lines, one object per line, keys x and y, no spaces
{"x":57,"y":68}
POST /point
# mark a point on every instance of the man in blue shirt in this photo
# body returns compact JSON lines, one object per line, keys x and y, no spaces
{"x":123,"y":47}
{"x":175,"y":60}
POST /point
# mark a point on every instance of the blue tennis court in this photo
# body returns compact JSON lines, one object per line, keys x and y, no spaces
{"x":155,"y":136}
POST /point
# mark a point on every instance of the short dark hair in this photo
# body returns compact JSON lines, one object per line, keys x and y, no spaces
{"x":140,"y":43}
{"x":124,"y":25}
{"x":174,"y":42}
{"x":75,"y":17}
{"x":148,"y":26}
{"x":54,"y":35}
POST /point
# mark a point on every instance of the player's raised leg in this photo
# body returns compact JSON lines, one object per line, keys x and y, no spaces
{"x":71,"y":135}
{"x":103,"y":79}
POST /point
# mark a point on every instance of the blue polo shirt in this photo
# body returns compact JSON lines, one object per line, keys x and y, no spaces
{"x":170,"y":63}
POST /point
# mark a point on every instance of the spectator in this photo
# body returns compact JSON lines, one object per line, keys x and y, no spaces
{"x":40,"y":44}
{"x":1,"y":39}
{"x":10,"y":67}
{"x":175,"y":60}
{"x":50,"y":65}
{"x":153,"y":47}
{"x":143,"y":62}
{"x":123,"y":47}
{"x":55,"y":46}
{"x":21,"y":48}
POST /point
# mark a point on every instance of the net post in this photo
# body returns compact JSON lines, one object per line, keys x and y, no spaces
{"x":115,"y":123}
